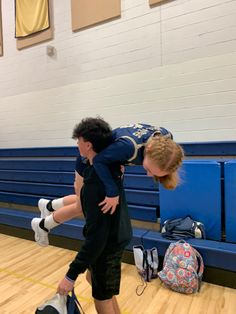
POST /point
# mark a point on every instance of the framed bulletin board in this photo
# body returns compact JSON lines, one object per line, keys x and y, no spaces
{"x":1,"y":39}
{"x":85,"y":13}
{"x":38,"y":37}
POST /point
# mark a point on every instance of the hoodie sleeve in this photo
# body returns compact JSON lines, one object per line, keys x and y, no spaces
{"x":97,"y":227}
{"x":119,"y":151}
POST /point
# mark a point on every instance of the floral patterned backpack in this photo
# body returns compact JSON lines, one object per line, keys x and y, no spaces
{"x":182,"y":268}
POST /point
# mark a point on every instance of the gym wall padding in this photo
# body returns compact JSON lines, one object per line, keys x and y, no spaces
{"x":85,"y":13}
{"x":198,"y":195}
{"x":230,"y":201}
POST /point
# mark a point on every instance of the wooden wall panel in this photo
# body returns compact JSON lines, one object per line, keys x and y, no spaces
{"x":39,"y":37}
{"x":1,"y":38}
{"x":155,"y":1}
{"x":85,"y":13}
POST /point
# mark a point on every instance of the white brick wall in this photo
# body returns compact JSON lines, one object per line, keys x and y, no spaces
{"x":172,"y":65}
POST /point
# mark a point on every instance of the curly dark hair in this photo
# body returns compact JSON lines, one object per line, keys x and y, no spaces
{"x":94,"y":130}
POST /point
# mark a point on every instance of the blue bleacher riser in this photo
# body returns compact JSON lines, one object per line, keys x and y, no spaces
{"x":138,"y":234}
{"x":63,"y":151}
{"x":58,"y":190}
{"x":35,"y":165}
{"x":71,"y":229}
{"x":199,"y":195}
{"x":37,"y":176}
{"x":215,"y":254}
{"x":135,"y":181}
{"x":230,"y":201}
{"x":16,"y":218}
{"x":25,"y":199}
{"x":15,"y":192}
{"x":142,"y":197}
{"x":22,"y":219}
{"x":144,"y":213}
{"x":139,"y":170}
{"x":147,"y":213}
{"x":224,"y":148}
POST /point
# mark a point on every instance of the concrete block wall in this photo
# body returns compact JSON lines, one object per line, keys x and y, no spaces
{"x":172,"y":65}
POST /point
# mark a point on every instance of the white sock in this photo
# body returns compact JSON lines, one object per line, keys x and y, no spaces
{"x":50,"y":223}
{"x":57,"y":203}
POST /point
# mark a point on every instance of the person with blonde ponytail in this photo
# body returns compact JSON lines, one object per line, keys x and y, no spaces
{"x":134,"y":144}
{"x":164,"y":154}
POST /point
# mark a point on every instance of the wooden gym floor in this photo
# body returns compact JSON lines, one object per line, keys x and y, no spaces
{"x":29,"y":275}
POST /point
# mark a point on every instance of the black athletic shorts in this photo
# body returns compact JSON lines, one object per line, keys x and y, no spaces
{"x":106,"y":274}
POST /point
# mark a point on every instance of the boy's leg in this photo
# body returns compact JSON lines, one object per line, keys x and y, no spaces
{"x":105,"y":307}
{"x":88,"y":277}
{"x":105,"y":278}
{"x":115,"y":305}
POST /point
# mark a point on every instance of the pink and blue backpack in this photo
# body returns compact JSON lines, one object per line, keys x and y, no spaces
{"x":182,"y":268}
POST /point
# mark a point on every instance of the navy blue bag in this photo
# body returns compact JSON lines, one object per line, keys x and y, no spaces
{"x":183,"y":228}
{"x":73,"y":305}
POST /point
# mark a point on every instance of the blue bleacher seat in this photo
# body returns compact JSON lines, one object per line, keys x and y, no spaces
{"x":31,"y":173}
{"x":215,"y":254}
{"x":230,"y":201}
{"x":28,"y":174}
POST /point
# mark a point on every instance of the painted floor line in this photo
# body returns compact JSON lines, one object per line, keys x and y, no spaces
{"x":38,"y":282}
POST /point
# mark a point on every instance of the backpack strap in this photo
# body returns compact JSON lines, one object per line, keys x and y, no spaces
{"x":140,"y":259}
{"x":181,"y":241}
{"x":73,"y":303}
{"x":199,"y":273}
{"x":201,"y":264}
